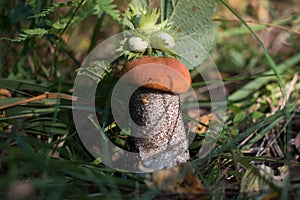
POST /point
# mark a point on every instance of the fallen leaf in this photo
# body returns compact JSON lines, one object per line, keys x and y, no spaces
{"x":179,"y":181}
{"x":5,"y":93}
{"x":260,"y":178}
{"x":22,"y":189}
{"x":204,"y":119}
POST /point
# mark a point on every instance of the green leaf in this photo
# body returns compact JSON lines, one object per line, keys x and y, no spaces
{"x":96,"y":7}
{"x":48,"y":10}
{"x":109,"y":8}
{"x":28,"y":33}
{"x":257,"y":115}
{"x":235,"y":131}
{"x":35,"y":32}
{"x":61,"y":24}
{"x":239,"y":117}
{"x":192,"y":20}
{"x":190,"y":52}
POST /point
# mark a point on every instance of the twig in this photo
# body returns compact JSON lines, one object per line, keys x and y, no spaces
{"x":262,"y":23}
{"x":47,"y":95}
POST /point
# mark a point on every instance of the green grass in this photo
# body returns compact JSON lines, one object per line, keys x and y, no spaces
{"x":39,"y":142}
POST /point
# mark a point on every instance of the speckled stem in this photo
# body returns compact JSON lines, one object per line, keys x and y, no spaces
{"x":162,"y":141}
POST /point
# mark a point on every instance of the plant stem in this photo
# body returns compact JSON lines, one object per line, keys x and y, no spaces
{"x":96,"y":31}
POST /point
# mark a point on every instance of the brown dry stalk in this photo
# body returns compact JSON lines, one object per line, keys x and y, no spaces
{"x":259,"y":22}
{"x":46,"y":95}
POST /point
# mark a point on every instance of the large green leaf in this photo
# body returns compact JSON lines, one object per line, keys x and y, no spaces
{"x":193,"y":20}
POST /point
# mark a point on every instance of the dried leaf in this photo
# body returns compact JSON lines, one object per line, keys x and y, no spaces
{"x":22,"y":190}
{"x":297,"y":142}
{"x":260,"y":179}
{"x":205,"y":120}
{"x":178,"y":181}
{"x":5,"y":93}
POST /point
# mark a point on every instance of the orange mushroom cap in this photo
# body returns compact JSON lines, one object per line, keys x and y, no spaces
{"x":161,"y":73}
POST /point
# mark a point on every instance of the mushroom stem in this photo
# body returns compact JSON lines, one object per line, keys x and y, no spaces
{"x":162,"y":141}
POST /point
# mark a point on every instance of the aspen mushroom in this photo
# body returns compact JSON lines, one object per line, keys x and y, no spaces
{"x":155,"y":108}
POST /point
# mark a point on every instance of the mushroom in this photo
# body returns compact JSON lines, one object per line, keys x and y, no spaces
{"x":155,"y":109}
